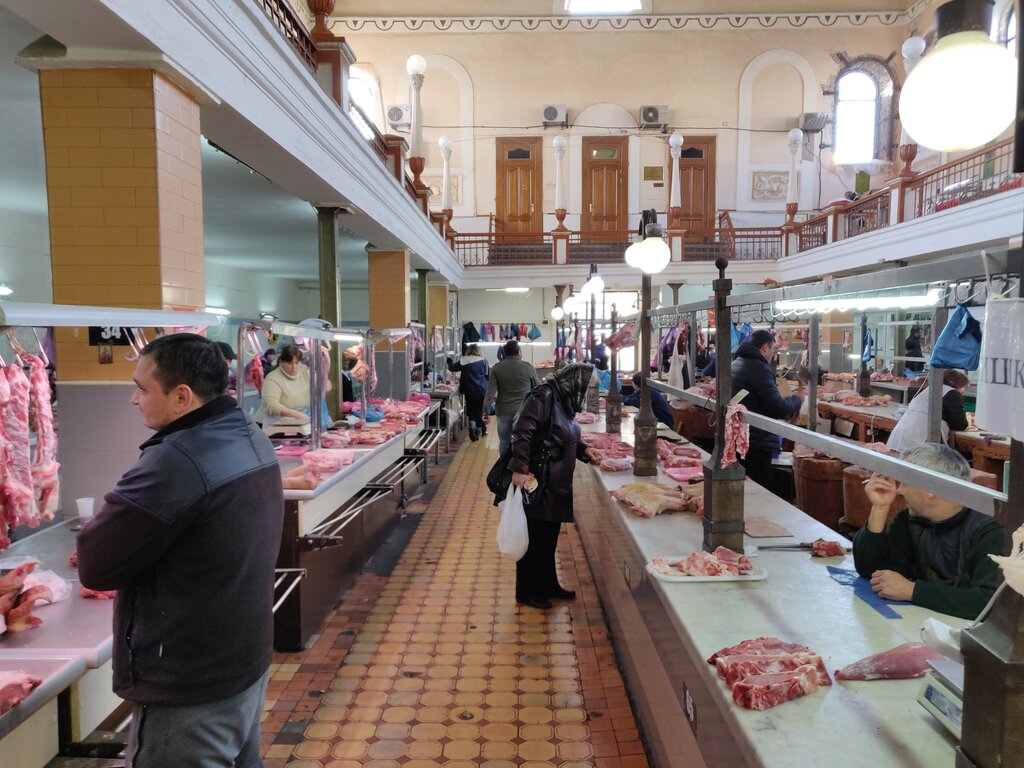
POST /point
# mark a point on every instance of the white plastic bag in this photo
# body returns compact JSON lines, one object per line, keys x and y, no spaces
{"x":675,"y":369}
{"x":59,"y":587}
{"x":513,"y":537}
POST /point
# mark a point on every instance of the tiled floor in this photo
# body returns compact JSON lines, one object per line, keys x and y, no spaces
{"x":436,"y":665}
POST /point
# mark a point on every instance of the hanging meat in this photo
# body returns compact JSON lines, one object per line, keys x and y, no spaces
{"x":254,"y":374}
{"x":16,"y":494}
{"x":737,"y":435}
{"x":44,"y":468}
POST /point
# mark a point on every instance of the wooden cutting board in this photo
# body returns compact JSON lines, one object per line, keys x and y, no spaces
{"x":757,"y":527}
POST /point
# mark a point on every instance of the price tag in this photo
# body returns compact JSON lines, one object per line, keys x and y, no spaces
{"x":112,"y":335}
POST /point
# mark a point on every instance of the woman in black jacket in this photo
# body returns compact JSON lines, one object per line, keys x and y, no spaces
{"x":549,"y":410}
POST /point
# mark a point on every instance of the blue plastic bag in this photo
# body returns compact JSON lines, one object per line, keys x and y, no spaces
{"x":959,"y":344}
{"x":869,"y":343}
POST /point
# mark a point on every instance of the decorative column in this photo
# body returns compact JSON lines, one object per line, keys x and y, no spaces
{"x":723,"y":488}
{"x":445,"y":145}
{"x":559,"y":143}
{"x":913,"y":50}
{"x":795,"y":140}
{"x":864,"y":377}
{"x":416,"y":66}
{"x":675,"y":203}
{"x":334,"y":57}
{"x":330,"y":292}
{"x":645,"y":430}
{"x":613,"y":400}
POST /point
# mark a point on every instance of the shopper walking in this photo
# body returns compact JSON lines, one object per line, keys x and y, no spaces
{"x":548,"y":416}
{"x":510,"y":382}
{"x":473,"y":373}
{"x":189,"y":537}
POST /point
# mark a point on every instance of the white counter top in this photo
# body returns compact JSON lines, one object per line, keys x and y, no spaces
{"x":798,"y":602}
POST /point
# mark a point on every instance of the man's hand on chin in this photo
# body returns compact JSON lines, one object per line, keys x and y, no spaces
{"x":892,"y":586}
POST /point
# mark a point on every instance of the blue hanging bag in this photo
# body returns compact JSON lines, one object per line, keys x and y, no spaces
{"x":959,"y":344}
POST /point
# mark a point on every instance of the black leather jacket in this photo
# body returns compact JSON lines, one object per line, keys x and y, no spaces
{"x":750,"y":371}
{"x":189,"y":538}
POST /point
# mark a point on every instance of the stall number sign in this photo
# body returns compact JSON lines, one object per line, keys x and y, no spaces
{"x":112,"y":335}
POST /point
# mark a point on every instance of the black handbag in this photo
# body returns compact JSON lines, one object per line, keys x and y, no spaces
{"x":499,"y":478}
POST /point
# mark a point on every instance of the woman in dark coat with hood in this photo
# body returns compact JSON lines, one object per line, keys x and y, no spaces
{"x":550,"y":408}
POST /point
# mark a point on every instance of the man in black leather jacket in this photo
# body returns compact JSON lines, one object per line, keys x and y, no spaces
{"x":751,"y":371}
{"x":189,"y":538}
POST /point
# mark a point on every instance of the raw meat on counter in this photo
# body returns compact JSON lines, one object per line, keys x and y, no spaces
{"x":97,"y":594}
{"x":14,"y":579}
{"x":761,"y":646}
{"x":616,"y":463}
{"x":733,"y":669}
{"x":681,"y":461}
{"x":14,"y":687}
{"x":650,"y":499}
{"x":20,"y":618}
{"x":825,"y":548}
{"x":899,"y":663}
{"x":585,"y":417}
{"x":668,"y":449}
{"x":684,"y":473}
{"x":335,"y":439}
{"x":721,"y":562}
{"x":766,"y":691}
{"x":328,"y":459}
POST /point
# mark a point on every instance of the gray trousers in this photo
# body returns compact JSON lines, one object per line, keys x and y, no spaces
{"x":217,"y":734}
{"x":504,"y":432}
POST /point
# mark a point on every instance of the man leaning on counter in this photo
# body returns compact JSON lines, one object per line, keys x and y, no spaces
{"x":934,"y":554}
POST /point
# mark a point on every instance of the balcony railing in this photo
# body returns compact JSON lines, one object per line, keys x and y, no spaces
{"x":867,"y":214}
{"x":605,"y":247}
{"x":502,"y":249}
{"x":973,"y":177}
{"x":369,"y":132}
{"x":291,"y":26}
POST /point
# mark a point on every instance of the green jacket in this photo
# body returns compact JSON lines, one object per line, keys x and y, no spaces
{"x":512,"y":379}
{"x":948,"y":561}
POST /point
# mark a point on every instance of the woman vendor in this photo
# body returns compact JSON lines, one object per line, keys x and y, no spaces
{"x":286,"y":389}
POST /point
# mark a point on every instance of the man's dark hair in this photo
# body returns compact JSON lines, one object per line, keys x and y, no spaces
{"x":761,"y":337}
{"x":190,"y":359}
{"x":637,"y":380}
{"x":915,"y":329}
{"x":511,"y":348}
{"x":289,"y":354}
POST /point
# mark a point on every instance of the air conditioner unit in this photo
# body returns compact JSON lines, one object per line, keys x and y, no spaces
{"x":554,"y":114}
{"x":654,"y":116}
{"x":399,"y":117}
{"x":813,"y":122}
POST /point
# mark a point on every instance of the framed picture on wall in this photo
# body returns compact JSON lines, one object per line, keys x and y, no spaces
{"x":433,"y":180}
{"x":769,"y":186}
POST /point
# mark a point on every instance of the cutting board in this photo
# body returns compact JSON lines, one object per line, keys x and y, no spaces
{"x":757,"y":527}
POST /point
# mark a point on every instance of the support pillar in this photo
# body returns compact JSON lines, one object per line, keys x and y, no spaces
{"x":645,"y":430}
{"x":613,"y":400}
{"x":389,"y":308}
{"x":437,"y":304}
{"x":422,"y":296}
{"x":330,"y":293}
{"x":723,"y":488}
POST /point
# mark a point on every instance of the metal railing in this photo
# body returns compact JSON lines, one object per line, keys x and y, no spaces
{"x":291,"y":26}
{"x":867,"y":214}
{"x":368,"y":131}
{"x":972,"y":177}
{"x":737,"y":243}
{"x":503,"y":248}
{"x":605,"y":247}
{"x":812,"y":233}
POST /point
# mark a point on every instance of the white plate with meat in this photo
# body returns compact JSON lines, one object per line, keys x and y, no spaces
{"x":722,"y":565}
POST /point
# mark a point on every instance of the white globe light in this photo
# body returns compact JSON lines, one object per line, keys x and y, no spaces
{"x":961,"y":95}
{"x":559,"y":142}
{"x":445,"y":143}
{"x":594,"y":285}
{"x":654,"y":255}
{"x":632,"y":254}
{"x":557,"y":313}
{"x":416,"y":65}
{"x":570,"y":305}
{"x":675,"y":140}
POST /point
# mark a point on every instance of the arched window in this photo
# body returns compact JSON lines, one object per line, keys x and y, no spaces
{"x":1010,"y":31}
{"x":364,"y":92}
{"x":862,"y":131}
{"x":856,"y":117}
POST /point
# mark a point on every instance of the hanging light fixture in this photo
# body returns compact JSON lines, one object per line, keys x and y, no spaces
{"x":961,"y":94}
{"x":557,"y":313}
{"x":652,"y":254}
{"x":594,"y":284}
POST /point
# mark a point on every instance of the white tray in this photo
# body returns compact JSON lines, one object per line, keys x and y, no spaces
{"x":756,"y":574}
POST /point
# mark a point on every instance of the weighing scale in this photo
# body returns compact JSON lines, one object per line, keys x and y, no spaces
{"x":289,"y":426}
{"x":942,"y":693}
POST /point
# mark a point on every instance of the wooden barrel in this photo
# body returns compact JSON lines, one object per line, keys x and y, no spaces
{"x":693,"y":422}
{"x":819,"y":488}
{"x":856,"y":506}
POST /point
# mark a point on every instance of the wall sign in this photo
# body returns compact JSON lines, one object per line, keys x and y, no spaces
{"x":112,"y":335}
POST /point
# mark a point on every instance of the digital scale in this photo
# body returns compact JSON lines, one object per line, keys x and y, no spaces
{"x":942,"y":693}
{"x":287,"y":426}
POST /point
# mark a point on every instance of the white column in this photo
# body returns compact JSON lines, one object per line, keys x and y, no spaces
{"x":416,"y":66}
{"x":445,"y":145}
{"x":795,"y":139}
{"x":559,"y":144}
{"x":675,"y":148}
{"x":912,"y":50}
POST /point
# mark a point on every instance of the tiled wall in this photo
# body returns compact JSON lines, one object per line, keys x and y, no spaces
{"x":124,"y":187}
{"x":437,"y":305}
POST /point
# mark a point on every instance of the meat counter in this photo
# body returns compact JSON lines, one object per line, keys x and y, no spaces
{"x":70,"y":651}
{"x":664,"y":632}
{"x":331,"y":531}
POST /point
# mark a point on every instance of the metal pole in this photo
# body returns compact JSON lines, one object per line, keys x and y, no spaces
{"x":723,"y":488}
{"x":864,"y":377}
{"x":645,"y":431}
{"x":691,"y":352}
{"x":812,"y":367}
{"x":315,"y":421}
{"x":240,"y":365}
{"x":935,"y":383}
{"x":613,"y":400}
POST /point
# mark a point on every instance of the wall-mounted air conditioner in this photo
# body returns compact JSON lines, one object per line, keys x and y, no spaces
{"x":399,"y":117}
{"x":554,"y":114}
{"x":813,"y":122}
{"x":654,"y":117}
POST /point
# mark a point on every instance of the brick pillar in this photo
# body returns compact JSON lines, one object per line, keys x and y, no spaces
{"x":123,"y":177}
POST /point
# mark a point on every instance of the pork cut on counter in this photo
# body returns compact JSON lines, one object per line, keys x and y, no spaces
{"x":733,"y":669}
{"x":14,"y":687}
{"x":761,"y":646}
{"x":767,"y":691}
{"x":20,"y":618}
{"x":899,"y":663}
{"x":14,"y":579}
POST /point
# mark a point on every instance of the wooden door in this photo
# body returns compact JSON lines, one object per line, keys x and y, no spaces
{"x":697,"y":182}
{"x":605,"y":160}
{"x":518,"y":204}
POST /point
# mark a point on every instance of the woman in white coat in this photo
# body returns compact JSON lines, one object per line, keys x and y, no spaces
{"x":912,"y":428}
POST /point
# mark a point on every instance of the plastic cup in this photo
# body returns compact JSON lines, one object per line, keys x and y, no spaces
{"x":85,"y":506}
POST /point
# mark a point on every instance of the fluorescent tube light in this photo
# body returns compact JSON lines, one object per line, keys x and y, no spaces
{"x":861,"y":304}
{"x":218,"y":311}
{"x":5,"y":290}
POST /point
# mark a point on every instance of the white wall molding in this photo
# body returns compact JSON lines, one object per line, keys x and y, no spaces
{"x":646,"y":22}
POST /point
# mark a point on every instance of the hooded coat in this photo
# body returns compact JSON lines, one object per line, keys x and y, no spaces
{"x":553,"y":406}
{"x":750,"y":371}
